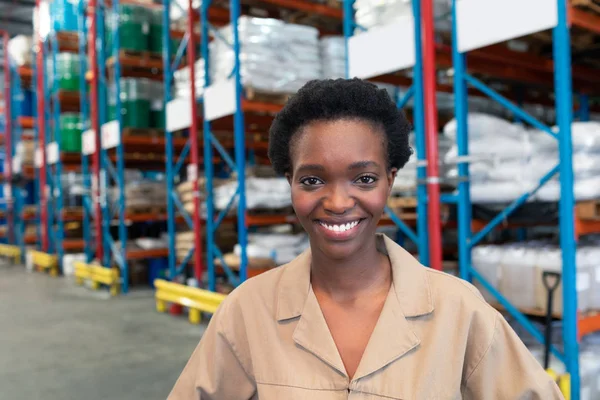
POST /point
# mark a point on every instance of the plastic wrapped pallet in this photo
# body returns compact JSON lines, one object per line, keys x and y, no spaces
{"x":279,"y":247}
{"x":19,"y":49}
{"x":261,"y":193}
{"x":276,"y":57}
{"x":333,"y":56}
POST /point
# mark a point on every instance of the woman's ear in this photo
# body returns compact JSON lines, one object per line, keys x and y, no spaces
{"x":391,"y":176}
{"x":288,"y":176}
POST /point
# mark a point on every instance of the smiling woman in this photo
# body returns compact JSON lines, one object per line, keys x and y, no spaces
{"x":356,"y":316}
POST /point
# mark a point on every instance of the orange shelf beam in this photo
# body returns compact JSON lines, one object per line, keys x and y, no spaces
{"x":73,"y":244}
{"x":26,"y":123}
{"x":25,"y":72}
{"x":30,"y":239}
{"x":144,"y":254}
{"x":310,"y":8}
{"x":588,"y":324}
{"x":584,"y":19}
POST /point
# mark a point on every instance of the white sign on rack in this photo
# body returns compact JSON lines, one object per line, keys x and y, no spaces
{"x":52,"y":153}
{"x":111,"y":134}
{"x":383,"y":49}
{"x":179,"y":114}
{"x":482,"y":23}
{"x":38,"y":158}
{"x":192,"y":172}
{"x":220,"y":100}
{"x":7,"y":191}
{"x":88,"y":142}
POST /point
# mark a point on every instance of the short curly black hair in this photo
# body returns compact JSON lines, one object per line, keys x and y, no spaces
{"x":334,"y":99}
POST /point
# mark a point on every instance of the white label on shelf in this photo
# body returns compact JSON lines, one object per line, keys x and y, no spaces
{"x":38,"y":158}
{"x":582,"y":281}
{"x":192,"y":172}
{"x":219,"y":100}
{"x":52,"y":153}
{"x":111,"y":134}
{"x":19,"y":150}
{"x":88,"y":142}
{"x":370,"y":55}
{"x":16,"y":164}
{"x":179,"y":115}
{"x":485,"y":22}
{"x":7,"y":191}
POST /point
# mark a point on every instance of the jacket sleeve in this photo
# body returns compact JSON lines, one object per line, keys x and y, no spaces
{"x":214,"y":371}
{"x":507,"y":370}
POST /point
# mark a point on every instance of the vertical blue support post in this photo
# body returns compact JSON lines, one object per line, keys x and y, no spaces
{"x":120,"y":152}
{"x":462,"y":140}
{"x":240,"y":143}
{"x":564,"y":109}
{"x":584,"y":108}
{"x":167,"y":78}
{"x":103,"y":180}
{"x":56,"y":180}
{"x":419,"y":124}
{"x":348,"y":30}
{"x":36,"y":171}
{"x":85,"y":164}
{"x":208,"y":153}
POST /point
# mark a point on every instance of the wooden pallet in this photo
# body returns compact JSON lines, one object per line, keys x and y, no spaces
{"x":144,"y":132}
{"x":588,"y":210}
{"x":590,"y":5}
{"x":404,"y":207}
{"x":272,"y":98}
{"x":142,"y":209}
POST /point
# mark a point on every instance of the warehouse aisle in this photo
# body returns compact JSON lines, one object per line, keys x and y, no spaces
{"x":62,"y":342}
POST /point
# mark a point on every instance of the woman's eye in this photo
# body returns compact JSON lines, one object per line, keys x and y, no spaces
{"x":366,"y":180}
{"x":311,"y":181}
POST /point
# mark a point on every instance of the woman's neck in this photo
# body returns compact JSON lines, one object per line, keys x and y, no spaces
{"x":345,"y":280}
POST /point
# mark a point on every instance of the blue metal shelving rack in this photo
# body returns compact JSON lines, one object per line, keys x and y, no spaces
{"x":564,"y":113}
{"x":416,"y":92}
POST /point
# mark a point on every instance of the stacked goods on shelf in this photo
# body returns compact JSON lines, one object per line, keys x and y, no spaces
{"x":333,"y":56}
{"x":71,"y":127}
{"x":141,"y":103}
{"x":67,"y":71}
{"x":374,"y":13}
{"x":73,"y":191}
{"x":276,"y":57}
{"x":516,"y":271}
{"x":19,"y":49}
{"x":134,"y":28}
{"x":64,"y":14}
{"x":143,"y":196}
{"x":181,"y":87}
{"x":507,"y":160}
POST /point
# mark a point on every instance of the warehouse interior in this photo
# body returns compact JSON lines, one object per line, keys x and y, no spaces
{"x":134,"y":137}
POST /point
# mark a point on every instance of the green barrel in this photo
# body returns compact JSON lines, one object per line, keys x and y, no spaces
{"x":67,"y":71}
{"x":156,"y":26}
{"x":157,"y":104}
{"x":134,"y":28}
{"x":70,"y":132}
{"x":135,"y":103}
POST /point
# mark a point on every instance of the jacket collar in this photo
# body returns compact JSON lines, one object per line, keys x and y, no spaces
{"x":410,"y":283}
{"x":393,"y":336}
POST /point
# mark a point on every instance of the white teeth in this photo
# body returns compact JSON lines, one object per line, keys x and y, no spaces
{"x":341,"y":228}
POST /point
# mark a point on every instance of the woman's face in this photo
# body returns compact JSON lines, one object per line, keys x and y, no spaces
{"x":340,"y":184}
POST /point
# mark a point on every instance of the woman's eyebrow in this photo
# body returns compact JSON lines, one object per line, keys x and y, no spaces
{"x":363,"y":164}
{"x":310,"y":167}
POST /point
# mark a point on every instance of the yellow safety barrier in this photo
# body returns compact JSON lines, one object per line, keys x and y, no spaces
{"x":45,"y":261}
{"x":10,"y":251}
{"x":563,"y":382}
{"x":97,"y":274}
{"x":197,"y":300}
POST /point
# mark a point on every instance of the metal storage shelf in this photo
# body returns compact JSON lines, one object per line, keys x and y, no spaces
{"x":536,"y":71}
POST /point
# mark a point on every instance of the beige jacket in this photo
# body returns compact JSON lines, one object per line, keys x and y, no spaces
{"x":436,"y":338}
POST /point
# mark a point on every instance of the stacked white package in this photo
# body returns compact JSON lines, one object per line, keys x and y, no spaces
{"x":281,"y":247}
{"x":372,"y":13}
{"x":261,"y":193}
{"x":181,"y":87}
{"x":586,"y":162}
{"x":333,"y":57}
{"x":516,"y":270}
{"x":276,"y":57}
{"x":19,"y":49}
{"x":500,"y":154}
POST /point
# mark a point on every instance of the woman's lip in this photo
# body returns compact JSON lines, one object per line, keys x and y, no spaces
{"x":339,"y":235}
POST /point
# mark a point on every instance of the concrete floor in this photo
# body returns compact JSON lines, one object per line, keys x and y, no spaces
{"x":59,"y":341}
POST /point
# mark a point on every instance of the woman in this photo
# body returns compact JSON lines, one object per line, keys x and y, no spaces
{"x":356,"y":317}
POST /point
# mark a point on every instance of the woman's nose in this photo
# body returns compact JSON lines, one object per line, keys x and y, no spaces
{"x":338,"y":200}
